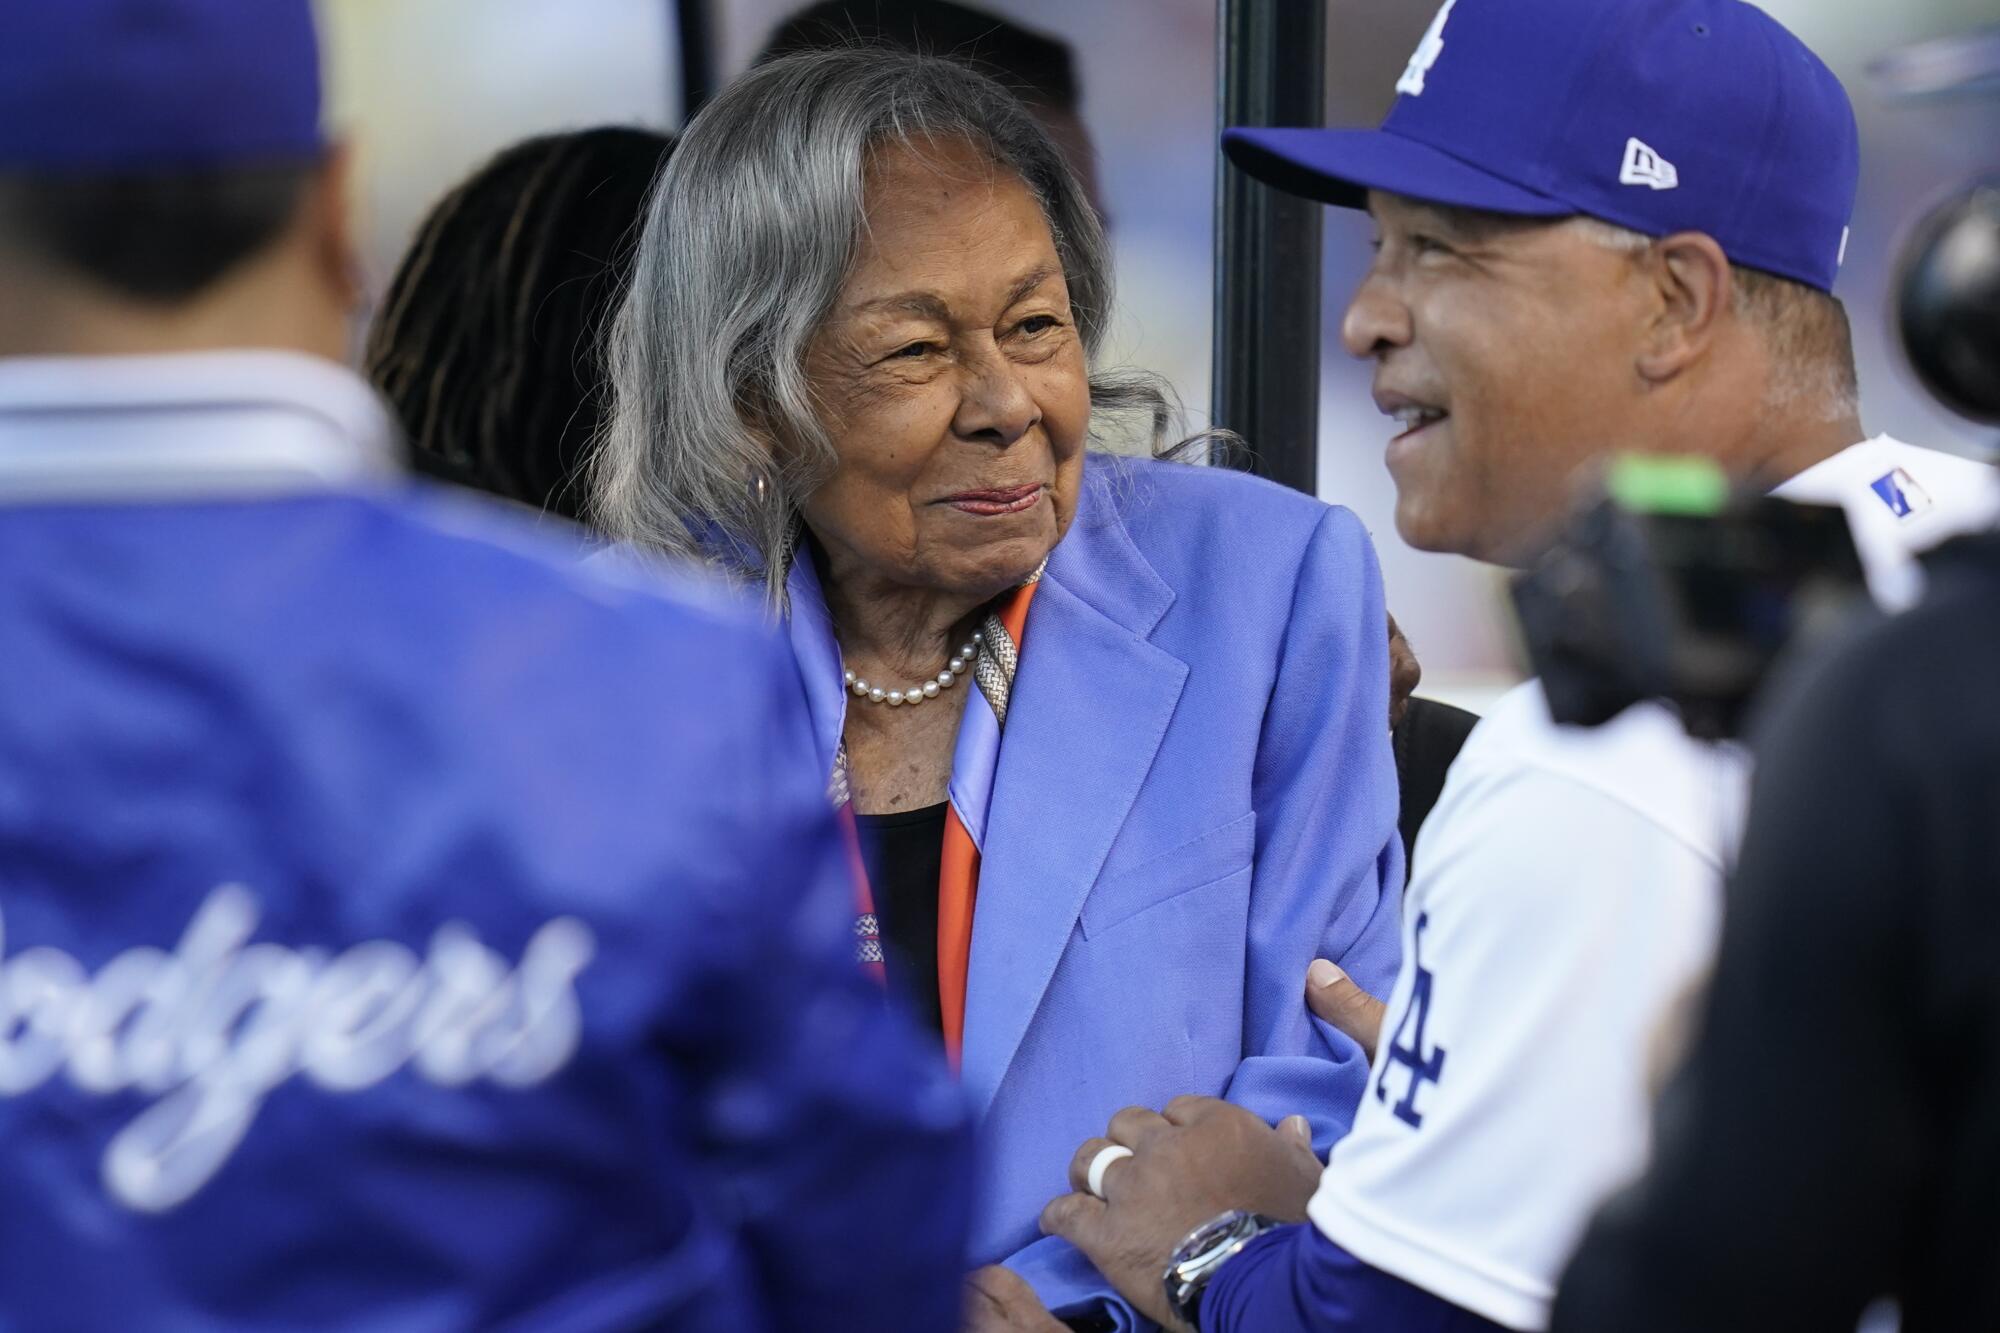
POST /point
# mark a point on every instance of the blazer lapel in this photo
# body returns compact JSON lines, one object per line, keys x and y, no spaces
{"x":1090,"y":705}
{"x":818,"y":656}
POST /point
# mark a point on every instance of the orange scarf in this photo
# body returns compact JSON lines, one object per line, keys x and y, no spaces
{"x":958,"y":877}
{"x":958,"y":873}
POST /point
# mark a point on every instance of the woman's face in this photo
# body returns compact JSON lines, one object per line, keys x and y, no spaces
{"x":953,"y":384}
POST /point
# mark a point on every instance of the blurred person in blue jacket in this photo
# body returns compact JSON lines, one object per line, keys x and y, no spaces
{"x":398,"y":928}
{"x":1115,"y":728}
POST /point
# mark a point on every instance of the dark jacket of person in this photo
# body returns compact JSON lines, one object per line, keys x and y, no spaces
{"x":1835,"y":1137}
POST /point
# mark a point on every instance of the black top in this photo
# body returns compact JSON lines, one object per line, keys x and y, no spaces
{"x":1426,"y":741}
{"x":1835,"y":1137}
{"x":904,"y":854}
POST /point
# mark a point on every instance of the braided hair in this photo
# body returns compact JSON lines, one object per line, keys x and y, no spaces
{"x":487,"y":346}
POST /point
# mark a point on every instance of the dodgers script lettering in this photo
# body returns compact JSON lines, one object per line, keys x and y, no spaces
{"x":209,"y":1030}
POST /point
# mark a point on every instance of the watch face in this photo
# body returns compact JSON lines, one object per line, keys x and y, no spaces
{"x":1206,"y":1249}
{"x":1212,"y":1230}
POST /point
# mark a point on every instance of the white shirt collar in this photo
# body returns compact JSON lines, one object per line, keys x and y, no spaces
{"x":1900,"y":500}
{"x":192,"y":425}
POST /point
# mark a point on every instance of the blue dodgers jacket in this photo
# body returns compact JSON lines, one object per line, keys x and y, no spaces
{"x":400,"y":929}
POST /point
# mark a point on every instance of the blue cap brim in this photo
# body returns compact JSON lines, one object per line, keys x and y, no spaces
{"x":1340,"y":167}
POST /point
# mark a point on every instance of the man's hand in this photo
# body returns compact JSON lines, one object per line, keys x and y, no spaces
{"x":1404,"y":674}
{"x":999,"y":1300}
{"x":1333,"y":995}
{"x":1200,"y":1158}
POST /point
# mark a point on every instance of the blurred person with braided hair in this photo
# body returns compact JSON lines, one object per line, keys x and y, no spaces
{"x":487,"y":344}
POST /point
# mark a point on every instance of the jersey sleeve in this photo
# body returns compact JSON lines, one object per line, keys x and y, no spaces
{"x":1295,"y":1280}
{"x":1550,"y":926}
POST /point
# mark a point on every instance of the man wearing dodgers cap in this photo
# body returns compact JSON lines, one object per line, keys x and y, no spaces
{"x":1603,"y":226}
{"x":399,"y":928}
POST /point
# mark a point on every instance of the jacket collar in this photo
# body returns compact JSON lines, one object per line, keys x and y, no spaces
{"x":1096,"y":564}
{"x":1088,"y":669}
{"x":190,"y":425}
{"x":810,"y":626}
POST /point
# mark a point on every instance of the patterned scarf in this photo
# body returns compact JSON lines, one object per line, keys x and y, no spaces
{"x":975,"y":761}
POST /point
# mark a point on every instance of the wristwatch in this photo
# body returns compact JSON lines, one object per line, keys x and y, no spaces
{"x":1207,"y":1248}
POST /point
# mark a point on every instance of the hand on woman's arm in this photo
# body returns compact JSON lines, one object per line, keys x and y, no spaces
{"x":1334,"y":998}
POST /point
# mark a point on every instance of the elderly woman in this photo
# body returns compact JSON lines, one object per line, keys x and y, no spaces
{"x":1117,"y":726}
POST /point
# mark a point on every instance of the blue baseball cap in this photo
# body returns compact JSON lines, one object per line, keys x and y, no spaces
{"x":1657,"y":115}
{"x":132,"y":86}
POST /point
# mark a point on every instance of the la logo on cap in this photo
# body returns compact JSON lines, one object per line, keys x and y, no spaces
{"x":1427,"y":53}
{"x":1643,"y":166}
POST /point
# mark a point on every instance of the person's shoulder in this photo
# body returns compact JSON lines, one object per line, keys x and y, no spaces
{"x":1193,"y":489}
{"x":1964,"y":588}
{"x":1934,"y":494}
{"x":1641,"y":761}
{"x":1900,"y":499}
{"x":1518,"y":731}
{"x":1940,"y":463}
{"x":631,"y":685}
{"x":1214,"y":520}
{"x":1906,"y":687}
{"x":517,"y":622}
{"x":474,"y":550}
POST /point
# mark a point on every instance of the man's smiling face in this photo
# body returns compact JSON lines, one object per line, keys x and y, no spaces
{"x":1505,"y":349}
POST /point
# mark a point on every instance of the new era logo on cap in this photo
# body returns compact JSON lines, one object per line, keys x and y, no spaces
{"x":1643,"y":166}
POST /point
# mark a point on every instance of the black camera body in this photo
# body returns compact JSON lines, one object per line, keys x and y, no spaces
{"x":1948,"y":303}
{"x":1683,"y":595}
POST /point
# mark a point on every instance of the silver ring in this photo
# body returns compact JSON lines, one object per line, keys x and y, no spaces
{"x":1093,"y":1179}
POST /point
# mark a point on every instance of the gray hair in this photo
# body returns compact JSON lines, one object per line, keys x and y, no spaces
{"x":715,"y":435}
{"x":1806,"y":331}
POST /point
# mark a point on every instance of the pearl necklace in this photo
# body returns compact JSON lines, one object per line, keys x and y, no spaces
{"x":930,"y":689}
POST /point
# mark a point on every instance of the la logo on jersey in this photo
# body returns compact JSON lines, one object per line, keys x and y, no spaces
{"x":1407,"y":1049}
{"x":213,"y":1028}
{"x":1644,"y":166}
{"x":1427,"y":53}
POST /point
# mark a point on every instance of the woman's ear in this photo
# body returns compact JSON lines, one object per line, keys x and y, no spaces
{"x":1693,"y":290}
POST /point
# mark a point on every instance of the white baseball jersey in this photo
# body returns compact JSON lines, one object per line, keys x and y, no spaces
{"x":1567,"y":894}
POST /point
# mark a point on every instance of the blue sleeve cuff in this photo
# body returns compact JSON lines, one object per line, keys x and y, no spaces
{"x":1295,"y":1280}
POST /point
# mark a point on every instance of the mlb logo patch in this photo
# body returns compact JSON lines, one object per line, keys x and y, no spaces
{"x":1899,"y":490}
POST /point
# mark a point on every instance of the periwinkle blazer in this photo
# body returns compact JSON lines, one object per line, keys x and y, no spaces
{"x":1196,"y":796}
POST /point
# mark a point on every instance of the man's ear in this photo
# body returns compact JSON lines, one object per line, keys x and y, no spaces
{"x":1693,"y":292}
{"x":331,"y":215}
